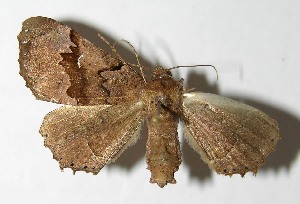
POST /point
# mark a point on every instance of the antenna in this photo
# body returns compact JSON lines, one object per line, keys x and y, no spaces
{"x":137,"y":59}
{"x":197,"y":65}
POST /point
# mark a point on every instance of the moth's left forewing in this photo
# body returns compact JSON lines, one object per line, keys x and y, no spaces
{"x":230,"y":136}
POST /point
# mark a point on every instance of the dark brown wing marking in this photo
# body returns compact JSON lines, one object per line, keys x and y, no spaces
{"x":60,"y":66}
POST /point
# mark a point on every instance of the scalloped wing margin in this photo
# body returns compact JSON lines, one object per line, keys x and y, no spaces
{"x":231,"y":137}
{"x":85,"y":138}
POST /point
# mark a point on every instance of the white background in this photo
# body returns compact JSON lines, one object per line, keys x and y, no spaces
{"x":255,"y":46}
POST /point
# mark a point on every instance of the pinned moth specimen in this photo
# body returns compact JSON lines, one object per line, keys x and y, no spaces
{"x":106,"y":101}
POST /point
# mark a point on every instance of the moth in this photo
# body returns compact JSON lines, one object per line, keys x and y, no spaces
{"x":106,"y":101}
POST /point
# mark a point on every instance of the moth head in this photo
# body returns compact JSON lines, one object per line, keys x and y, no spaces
{"x":160,"y":72}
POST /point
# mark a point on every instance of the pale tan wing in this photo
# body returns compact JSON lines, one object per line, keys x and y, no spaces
{"x":231,"y":137}
{"x":88,"y":137}
{"x":59,"y":65}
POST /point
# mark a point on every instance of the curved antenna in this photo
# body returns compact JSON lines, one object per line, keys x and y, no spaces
{"x":137,"y":59}
{"x":112,"y":47}
{"x":197,"y":65}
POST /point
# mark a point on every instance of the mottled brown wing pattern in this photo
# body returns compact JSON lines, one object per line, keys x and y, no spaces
{"x":88,"y":137}
{"x":109,"y":100}
{"x":60,"y":66}
{"x":123,"y":85}
{"x":231,"y":137}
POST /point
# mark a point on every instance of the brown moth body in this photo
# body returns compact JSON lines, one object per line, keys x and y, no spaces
{"x":106,"y":101}
{"x":163,"y":99}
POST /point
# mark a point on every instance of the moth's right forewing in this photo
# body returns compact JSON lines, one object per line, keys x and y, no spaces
{"x":230,"y":136}
{"x":88,"y":137}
